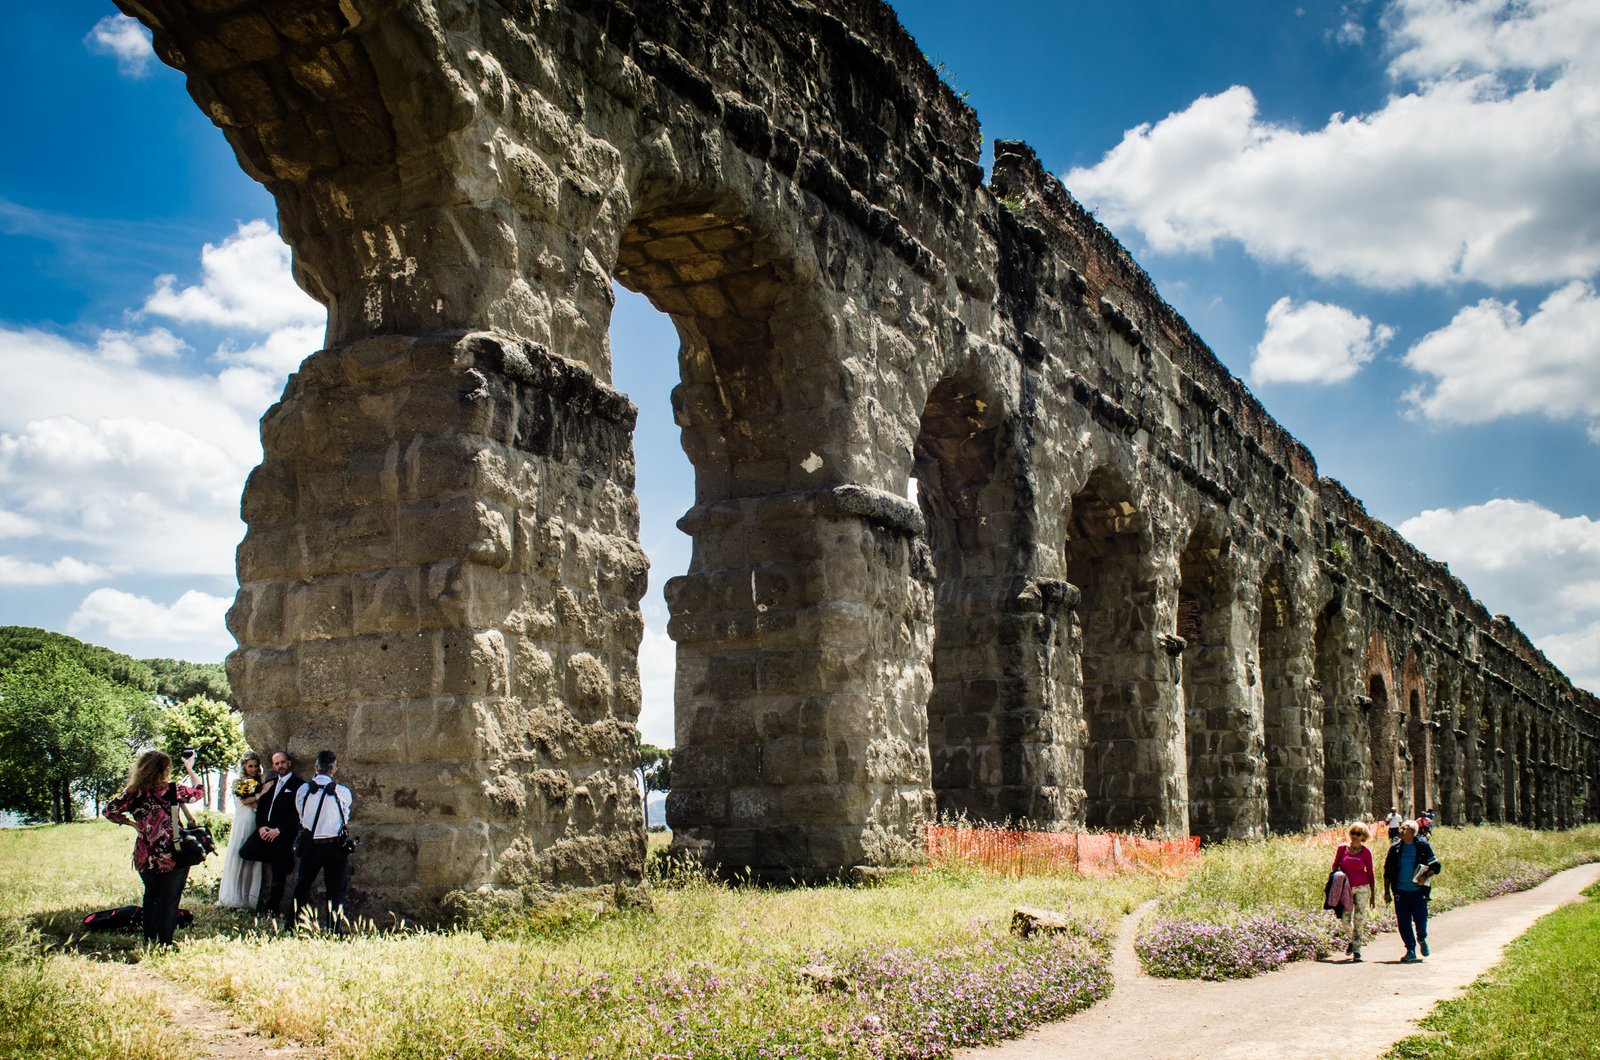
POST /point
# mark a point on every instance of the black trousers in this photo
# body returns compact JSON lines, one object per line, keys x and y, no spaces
{"x":334,"y":865}
{"x":162,"y":890}
{"x":279,"y":873}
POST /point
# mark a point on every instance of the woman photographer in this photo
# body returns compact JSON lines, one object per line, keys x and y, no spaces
{"x":148,"y":803}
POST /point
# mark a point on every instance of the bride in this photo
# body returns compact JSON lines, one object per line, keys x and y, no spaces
{"x":241,"y":879}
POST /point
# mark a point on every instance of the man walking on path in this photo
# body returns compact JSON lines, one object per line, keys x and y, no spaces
{"x":1246,"y":1018}
{"x":1408,"y":874}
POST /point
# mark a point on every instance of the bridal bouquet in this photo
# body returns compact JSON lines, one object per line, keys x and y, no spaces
{"x":245,"y":787}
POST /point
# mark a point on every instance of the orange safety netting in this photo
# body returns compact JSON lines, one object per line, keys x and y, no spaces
{"x":1019,"y":853}
{"x":1378,"y":835}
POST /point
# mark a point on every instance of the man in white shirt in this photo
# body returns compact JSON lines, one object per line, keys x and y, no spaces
{"x":324,"y":808}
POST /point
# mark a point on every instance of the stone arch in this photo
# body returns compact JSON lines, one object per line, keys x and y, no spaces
{"x":996,"y":748}
{"x":1342,"y":720}
{"x":1380,"y":726}
{"x":1282,"y":710}
{"x":1417,"y":736}
{"x":1107,"y":559}
{"x":1218,"y":756}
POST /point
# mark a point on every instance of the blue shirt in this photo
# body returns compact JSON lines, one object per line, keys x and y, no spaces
{"x":1408,"y":868}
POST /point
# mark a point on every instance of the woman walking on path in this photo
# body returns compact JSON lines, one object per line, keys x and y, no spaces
{"x":1408,"y":874}
{"x":147,"y":803}
{"x":1355,"y":861}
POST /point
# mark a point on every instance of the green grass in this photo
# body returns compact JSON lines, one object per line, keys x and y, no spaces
{"x":706,"y":967}
{"x":1289,"y":873}
{"x":1542,"y":1000}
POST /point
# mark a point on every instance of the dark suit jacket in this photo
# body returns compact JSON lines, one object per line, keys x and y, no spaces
{"x":276,"y":810}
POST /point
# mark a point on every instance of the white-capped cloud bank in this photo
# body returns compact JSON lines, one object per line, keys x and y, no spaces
{"x":1490,"y":362}
{"x":125,"y":40}
{"x":245,"y":283}
{"x":136,"y":469}
{"x":195,"y":618}
{"x":1525,"y":561}
{"x":1487,"y":168}
{"x":1315,"y":342}
{"x":64,"y":571}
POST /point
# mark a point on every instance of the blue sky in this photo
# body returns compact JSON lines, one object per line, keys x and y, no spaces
{"x":1383,"y":216}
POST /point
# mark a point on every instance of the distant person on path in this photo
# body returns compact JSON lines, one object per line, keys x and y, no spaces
{"x":277,"y":824}
{"x":324,"y":809}
{"x":1425,"y":824}
{"x":1355,"y":861}
{"x":148,"y":803}
{"x":241,"y":879}
{"x":1392,"y":822}
{"x":1408,"y":873}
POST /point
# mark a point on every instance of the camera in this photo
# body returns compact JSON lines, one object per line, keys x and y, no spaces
{"x":188,"y":752}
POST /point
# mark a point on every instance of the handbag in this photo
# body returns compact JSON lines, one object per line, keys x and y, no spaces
{"x":254,"y":848}
{"x":193,"y":844}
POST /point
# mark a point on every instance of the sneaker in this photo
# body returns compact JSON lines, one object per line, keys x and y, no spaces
{"x":1423,"y":943}
{"x":1410,"y":957}
{"x":1355,"y":958}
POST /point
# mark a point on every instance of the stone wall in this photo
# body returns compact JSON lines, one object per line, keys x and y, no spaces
{"x":1122,"y":596}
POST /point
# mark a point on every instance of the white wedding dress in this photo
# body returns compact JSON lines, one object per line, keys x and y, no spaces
{"x":241,"y":879}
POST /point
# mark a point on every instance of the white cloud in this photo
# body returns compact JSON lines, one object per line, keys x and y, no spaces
{"x":1578,"y":655}
{"x":1490,"y":362}
{"x":138,"y":464}
{"x":1482,"y":172}
{"x":128,"y":347}
{"x":1315,"y":343}
{"x":1525,"y":561}
{"x":246,"y":283}
{"x":64,"y":571}
{"x":657,"y":673}
{"x":125,"y":40}
{"x":14,"y":525}
{"x":111,"y":614}
{"x":1438,"y":38}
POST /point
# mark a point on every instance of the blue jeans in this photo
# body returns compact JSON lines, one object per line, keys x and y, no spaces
{"x":1411,"y":910}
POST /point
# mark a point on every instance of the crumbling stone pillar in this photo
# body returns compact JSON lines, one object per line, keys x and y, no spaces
{"x":441,"y":582}
{"x":1291,"y":727}
{"x":804,"y":634}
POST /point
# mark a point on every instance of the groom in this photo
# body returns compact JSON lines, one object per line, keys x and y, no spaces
{"x":277,"y":823}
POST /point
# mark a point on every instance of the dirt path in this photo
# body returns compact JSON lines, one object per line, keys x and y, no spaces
{"x":218,"y":1034}
{"x":1309,"y":1009}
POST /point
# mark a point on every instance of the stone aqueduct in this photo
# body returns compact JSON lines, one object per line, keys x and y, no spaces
{"x":1123,"y":597}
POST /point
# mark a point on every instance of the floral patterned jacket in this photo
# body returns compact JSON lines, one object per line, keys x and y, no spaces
{"x":150,"y":814}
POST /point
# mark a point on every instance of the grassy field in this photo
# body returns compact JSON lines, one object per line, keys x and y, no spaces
{"x":1253,"y":907}
{"x":1542,"y":1000}
{"x":905,"y":968}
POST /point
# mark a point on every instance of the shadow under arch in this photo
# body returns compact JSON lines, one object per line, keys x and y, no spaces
{"x":1418,"y":750}
{"x":1129,"y":741}
{"x":1381,"y":739}
{"x":1217,"y":736}
{"x":995,"y":750}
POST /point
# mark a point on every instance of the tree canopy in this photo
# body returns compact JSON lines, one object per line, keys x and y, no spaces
{"x":209,"y":726}
{"x":17,"y":641}
{"x":177,"y":680}
{"x":65,"y":732}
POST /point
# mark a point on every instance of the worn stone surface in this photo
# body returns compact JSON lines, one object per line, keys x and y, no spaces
{"x":1122,"y":597}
